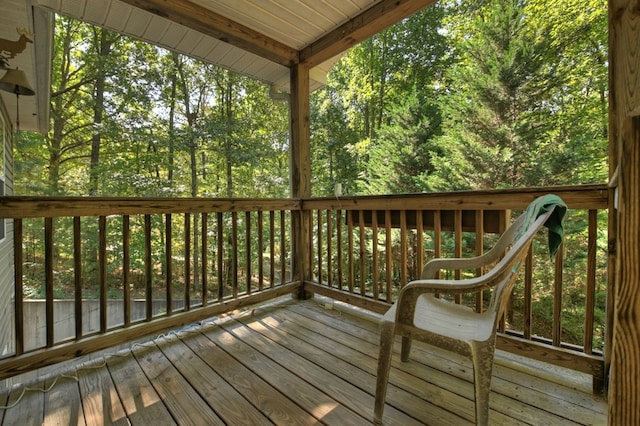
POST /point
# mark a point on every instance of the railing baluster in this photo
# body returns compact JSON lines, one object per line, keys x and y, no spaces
{"x":148,"y":268}
{"x":260,"y":251}
{"x":234,"y":253}
{"x":374,"y":254}
{"x":168,"y":256}
{"x":352,"y":272}
{"x":283,"y":248}
{"x":389,"y":255}
{"x":329,"y":249}
{"x":18,"y":258}
{"x":339,"y":247}
{"x":221,"y":282}
{"x":319,"y":242}
{"x":247,"y":237}
{"x":77,"y":275}
{"x":363,"y":253}
{"x":419,"y":243}
{"x":102,"y":262}
{"x":437,"y":236}
{"x":48,"y":280}
{"x":187,"y":261}
{"x":205,"y":260}
{"x":437,"y":240}
{"x":557,"y":298}
{"x":403,"y":248}
{"x":479,"y":249}
{"x":272,"y":249}
{"x":591,"y":282}
{"x":126,"y":266}
{"x":457,"y":235}
{"x":528,"y":293}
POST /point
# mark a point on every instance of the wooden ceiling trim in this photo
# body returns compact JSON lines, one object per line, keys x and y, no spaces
{"x":359,"y":28}
{"x":210,"y":23}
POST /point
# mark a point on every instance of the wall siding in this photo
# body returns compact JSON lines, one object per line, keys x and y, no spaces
{"x":6,"y":244}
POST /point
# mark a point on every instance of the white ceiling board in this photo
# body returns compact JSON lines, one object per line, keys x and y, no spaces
{"x":119,"y":17}
{"x":296,"y":23}
{"x":126,"y":19}
{"x":17,"y":14}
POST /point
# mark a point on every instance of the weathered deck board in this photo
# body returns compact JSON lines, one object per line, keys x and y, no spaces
{"x":100,"y":400}
{"x":280,"y":409}
{"x":30,"y":409}
{"x":140,"y":400}
{"x":211,"y":387}
{"x":295,"y":363}
{"x":62,"y":404}
{"x":180,"y":398}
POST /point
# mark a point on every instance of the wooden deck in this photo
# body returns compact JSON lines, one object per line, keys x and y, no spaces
{"x":293,"y":363}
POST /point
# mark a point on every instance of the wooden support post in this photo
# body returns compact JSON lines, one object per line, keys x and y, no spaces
{"x":300,"y":172}
{"x":624,"y":110}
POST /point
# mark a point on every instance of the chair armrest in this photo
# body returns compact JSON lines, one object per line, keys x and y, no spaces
{"x":406,"y":304}
{"x":431,"y":268}
{"x":446,"y":286}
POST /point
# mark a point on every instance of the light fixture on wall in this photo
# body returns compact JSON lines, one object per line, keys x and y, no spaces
{"x":15,"y":81}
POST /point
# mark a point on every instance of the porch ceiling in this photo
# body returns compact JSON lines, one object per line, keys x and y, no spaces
{"x":257,"y":38}
{"x":34,"y":60}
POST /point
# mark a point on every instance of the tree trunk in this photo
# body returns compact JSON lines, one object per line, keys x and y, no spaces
{"x":103,"y":47}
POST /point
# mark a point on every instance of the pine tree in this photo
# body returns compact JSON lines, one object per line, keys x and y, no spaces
{"x":495,"y":103}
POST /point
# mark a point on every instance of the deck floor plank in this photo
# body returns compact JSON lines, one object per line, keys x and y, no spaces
{"x":340,"y":377}
{"x":30,"y":408}
{"x":100,"y":400}
{"x":279,"y":408}
{"x":183,"y":402}
{"x":4,"y":396}
{"x":141,"y":402}
{"x":320,"y":405}
{"x":62,"y":404}
{"x":429,"y":387}
{"x":340,"y":361}
{"x":295,"y":363}
{"x":228,"y":403}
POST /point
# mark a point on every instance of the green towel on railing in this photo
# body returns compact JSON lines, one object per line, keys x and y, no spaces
{"x":541,"y":205}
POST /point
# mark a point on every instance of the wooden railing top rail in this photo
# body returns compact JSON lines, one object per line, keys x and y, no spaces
{"x":577,"y":197}
{"x":25,"y":207}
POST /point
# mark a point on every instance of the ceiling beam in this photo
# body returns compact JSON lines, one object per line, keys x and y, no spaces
{"x":210,"y":23}
{"x":359,"y":28}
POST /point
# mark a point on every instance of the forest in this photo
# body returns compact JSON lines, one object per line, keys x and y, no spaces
{"x":463,"y":95}
{"x":467,"y":95}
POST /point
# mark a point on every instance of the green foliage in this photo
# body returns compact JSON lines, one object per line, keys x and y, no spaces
{"x":512,"y":98}
{"x":380,"y":99}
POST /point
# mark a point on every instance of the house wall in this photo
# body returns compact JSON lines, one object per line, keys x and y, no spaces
{"x":6,"y":238}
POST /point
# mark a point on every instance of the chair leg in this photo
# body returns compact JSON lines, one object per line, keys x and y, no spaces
{"x":384,"y":364}
{"x":406,"y":348}
{"x":482,"y":358}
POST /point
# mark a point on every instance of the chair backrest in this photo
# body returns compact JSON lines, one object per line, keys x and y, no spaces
{"x":516,"y":242}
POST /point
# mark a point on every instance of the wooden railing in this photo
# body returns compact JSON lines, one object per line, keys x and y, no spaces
{"x":142,"y":266}
{"x":365,"y":249}
{"x":185,"y":259}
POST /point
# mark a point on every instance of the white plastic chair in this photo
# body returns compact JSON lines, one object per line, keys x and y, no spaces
{"x":419,"y":314}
